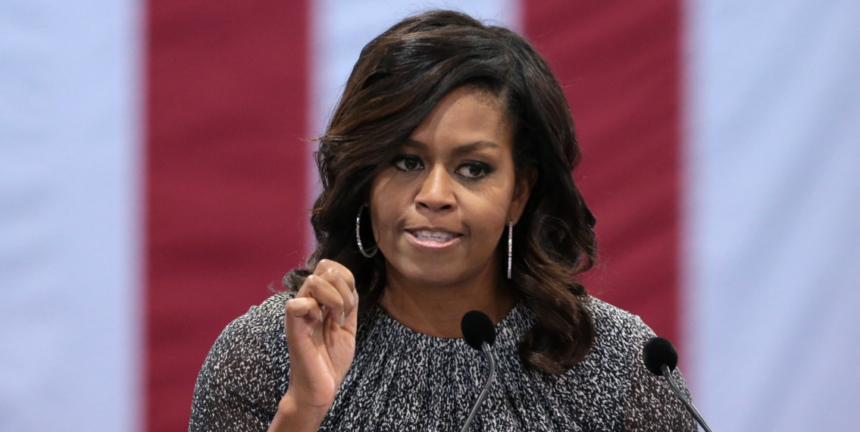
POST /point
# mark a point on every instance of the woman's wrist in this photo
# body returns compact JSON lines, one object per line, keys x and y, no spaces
{"x":294,"y":417}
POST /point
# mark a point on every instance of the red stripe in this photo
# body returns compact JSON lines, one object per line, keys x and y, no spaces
{"x":619,"y":63}
{"x":226,"y":177}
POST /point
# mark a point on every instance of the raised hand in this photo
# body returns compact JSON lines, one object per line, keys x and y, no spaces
{"x":320,"y":324}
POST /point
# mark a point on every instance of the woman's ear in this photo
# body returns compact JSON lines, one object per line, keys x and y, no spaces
{"x":522,"y":191}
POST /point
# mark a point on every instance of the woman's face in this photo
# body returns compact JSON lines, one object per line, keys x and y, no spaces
{"x":440,"y":208}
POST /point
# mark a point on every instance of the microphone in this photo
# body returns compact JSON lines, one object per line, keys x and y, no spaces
{"x":660,"y":358}
{"x":480,"y":333}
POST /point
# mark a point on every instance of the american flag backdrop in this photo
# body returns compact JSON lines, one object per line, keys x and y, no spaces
{"x":156,"y":180}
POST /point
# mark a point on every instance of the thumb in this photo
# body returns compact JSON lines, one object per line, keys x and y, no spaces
{"x":302,"y":314}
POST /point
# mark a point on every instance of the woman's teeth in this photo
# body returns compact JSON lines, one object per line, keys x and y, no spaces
{"x":440,"y":237}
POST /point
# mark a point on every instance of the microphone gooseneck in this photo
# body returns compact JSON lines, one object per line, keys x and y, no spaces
{"x":660,"y":357}
{"x":480,"y":333}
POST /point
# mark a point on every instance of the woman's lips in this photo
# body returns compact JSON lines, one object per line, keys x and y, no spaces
{"x":432,"y":240}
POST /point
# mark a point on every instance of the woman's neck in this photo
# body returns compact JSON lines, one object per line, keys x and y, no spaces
{"x":436,"y":310}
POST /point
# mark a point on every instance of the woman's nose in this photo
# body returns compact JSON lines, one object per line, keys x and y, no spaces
{"x":436,"y":191}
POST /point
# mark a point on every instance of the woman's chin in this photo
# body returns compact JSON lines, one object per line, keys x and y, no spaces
{"x":437,"y":279}
{"x":441,"y":275}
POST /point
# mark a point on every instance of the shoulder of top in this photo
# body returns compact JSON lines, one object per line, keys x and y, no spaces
{"x":274,"y":304}
{"x":266,"y":317}
{"x":609,"y":318}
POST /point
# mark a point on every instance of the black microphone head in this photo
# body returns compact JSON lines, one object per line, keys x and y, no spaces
{"x":659,"y":352}
{"x":478,"y":328}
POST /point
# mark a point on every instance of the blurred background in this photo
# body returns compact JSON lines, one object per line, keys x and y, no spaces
{"x":155,"y":181}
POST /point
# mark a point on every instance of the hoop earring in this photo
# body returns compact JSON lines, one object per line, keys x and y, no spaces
{"x":510,"y":246}
{"x":372,"y":251}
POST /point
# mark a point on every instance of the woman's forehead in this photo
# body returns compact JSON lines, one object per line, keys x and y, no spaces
{"x":467,"y":119}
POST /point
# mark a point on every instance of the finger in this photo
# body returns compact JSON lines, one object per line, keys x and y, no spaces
{"x":327,"y":296}
{"x":326,"y":265}
{"x":334,"y":277}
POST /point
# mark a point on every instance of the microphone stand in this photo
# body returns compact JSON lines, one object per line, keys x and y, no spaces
{"x":485,"y":347}
{"x":692,"y":409}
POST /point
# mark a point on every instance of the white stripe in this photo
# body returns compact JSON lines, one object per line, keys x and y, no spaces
{"x":341,"y":28}
{"x":70,"y":160}
{"x":774,"y":196}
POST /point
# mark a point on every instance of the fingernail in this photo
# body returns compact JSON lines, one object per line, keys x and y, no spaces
{"x":342,"y":319}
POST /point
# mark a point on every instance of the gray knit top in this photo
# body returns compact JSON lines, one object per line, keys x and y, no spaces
{"x":402,"y":380}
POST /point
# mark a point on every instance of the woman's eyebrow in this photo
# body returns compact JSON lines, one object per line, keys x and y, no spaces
{"x":457,"y":151}
{"x":472,"y":147}
{"x":415,"y":144}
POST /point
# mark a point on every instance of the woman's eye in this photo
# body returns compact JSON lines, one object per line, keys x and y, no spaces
{"x":408,"y":163}
{"x":474,"y":170}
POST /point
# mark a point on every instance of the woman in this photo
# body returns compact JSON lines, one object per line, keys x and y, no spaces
{"x":446,"y":188}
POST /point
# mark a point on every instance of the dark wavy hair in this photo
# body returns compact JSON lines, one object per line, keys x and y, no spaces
{"x":398,"y":79}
